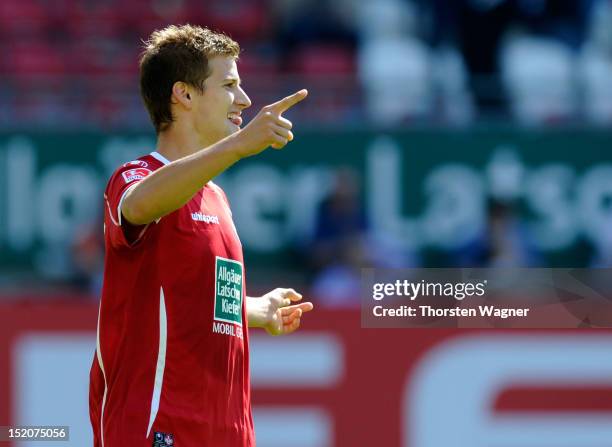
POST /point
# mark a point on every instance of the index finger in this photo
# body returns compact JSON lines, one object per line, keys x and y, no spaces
{"x":304,"y":307}
{"x":289,"y":101}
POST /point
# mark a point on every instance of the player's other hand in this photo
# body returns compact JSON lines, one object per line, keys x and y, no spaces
{"x":282,"y":316}
{"x":269,"y":127}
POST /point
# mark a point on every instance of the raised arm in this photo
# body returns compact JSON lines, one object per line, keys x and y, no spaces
{"x":173,"y":185}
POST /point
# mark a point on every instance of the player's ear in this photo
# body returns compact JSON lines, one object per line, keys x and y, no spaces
{"x":181,"y":95}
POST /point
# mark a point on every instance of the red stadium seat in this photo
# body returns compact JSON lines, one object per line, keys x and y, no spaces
{"x":94,"y":57}
{"x":145,"y":16}
{"x":241,"y":19}
{"x":22,"y":18}
{"x":34,"y":58}
{"x":258,"y":64}
{"x":85,"y":19}
{"x":324,"y":59}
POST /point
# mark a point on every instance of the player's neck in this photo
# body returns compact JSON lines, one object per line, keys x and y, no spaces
{"x":175,"y":143}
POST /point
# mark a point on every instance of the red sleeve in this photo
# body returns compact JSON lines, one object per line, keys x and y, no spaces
{"x":121,"y":232}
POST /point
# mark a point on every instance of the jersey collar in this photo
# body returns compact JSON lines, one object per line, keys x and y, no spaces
{"x":165,"y":161}
{"x":160,"y":157}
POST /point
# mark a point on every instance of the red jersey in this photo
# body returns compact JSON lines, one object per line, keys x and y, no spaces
{"x":172,"y":360}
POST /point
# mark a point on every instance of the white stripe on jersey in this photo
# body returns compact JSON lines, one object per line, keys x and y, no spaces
{"x":160,"y":157}
{"x":161,"y":360}
{"x":99,"y":356}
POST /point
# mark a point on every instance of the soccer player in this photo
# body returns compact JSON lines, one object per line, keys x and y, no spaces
{"x":172,"y":359}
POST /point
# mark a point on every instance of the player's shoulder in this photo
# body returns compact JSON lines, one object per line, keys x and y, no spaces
{"x":138,"y":169}
{"x":216,"y":189}
{"x":149,"y":162}
{"x":212,"y":185}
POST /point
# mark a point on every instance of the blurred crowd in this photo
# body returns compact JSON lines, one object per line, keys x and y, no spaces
{"x":73,"y":63}
{"x":327,"y":263}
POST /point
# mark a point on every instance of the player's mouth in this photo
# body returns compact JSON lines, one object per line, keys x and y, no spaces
{"x":235,"y":118}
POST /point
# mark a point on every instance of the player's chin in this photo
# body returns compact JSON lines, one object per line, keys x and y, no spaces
{"x":232,"y":127}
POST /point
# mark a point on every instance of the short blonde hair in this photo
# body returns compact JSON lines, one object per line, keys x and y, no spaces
{"x":178,"y":53}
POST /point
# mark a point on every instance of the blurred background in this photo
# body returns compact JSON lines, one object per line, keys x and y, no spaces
{"x":440,"y":133}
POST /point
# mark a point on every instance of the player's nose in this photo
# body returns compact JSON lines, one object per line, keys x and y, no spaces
{"x":242,"y":99}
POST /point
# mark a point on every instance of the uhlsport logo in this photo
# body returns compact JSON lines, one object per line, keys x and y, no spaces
{"x":200,"y":217}
{"x":135,"y":174}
